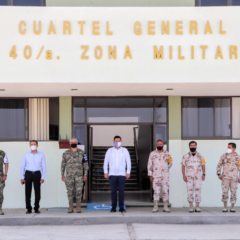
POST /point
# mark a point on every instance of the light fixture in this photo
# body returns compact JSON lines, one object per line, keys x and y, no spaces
{"x":169,"y":89}
{"x":74,"y":89}
{"x":2,"y":90}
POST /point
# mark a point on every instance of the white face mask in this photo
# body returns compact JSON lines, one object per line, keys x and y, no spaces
{"x":117,"y":144}
{"x":33,"y":147}
{"x":229,"y":150}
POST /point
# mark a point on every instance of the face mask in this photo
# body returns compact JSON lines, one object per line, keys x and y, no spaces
{"x":33,"y":147}
{"x":159,"y":148}
{"x":117,"y":144}
{"x":229,"y":150}
{"x":193,"y":150}
{"x":73,"y":145}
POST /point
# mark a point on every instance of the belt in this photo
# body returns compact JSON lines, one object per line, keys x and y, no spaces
{"x":27,"y":171}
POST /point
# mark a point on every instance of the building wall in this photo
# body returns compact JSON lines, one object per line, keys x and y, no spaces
{"x":116,"y":3}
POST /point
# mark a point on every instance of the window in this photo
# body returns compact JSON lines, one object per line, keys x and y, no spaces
{"x":217,"y":2}
{"x":206,"y":117}
{"x":53,"y":118}
{"x":13,"y":119}
{"x":23,"y":2}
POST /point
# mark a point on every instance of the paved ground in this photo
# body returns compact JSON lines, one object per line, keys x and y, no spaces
{"x":122,"y":232}
{"x":59,"y":216}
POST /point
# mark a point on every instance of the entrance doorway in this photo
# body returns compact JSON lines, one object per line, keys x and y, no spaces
{"x":139,"y":120}
{"x":138,"y":140}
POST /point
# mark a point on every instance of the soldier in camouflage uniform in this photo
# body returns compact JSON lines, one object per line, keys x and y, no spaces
{"x":193,"y":170}
{"x":3,"y":176}
{"x":228,"y":172}
{"x":75,"y":164}
{"x":159,"y":163}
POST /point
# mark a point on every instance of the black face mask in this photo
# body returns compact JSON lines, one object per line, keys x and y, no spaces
{"x":159,"y":148}
{"x":193,"y":150}
{"x":73,"y":145}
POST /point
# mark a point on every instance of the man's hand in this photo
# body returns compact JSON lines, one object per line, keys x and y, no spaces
{"x":4,"y":178}
{"x":184,"y":178}
{"x":203,"y":177}
{"x":151,"y":178}
{"x":106,"y":176}
{"x":42,"y":181}
{"x":238,"y":179}
{"x":127,"y":176}
{"x":22,"y":181}
{"x":63,"y":178}
{"x":220,"y":177}
{"x":85,"y":178}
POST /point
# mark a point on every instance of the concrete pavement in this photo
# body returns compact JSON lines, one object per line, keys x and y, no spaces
{"x":59,"y":216}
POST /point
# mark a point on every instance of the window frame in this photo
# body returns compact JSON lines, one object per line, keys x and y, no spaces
{"x":10,"y":3}
{"x":207,"y":138}
{"x":198,"y":4}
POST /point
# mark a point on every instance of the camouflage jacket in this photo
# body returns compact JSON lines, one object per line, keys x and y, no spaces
{"x":159,"y":163}
{"x":229,"y":166}
{"x":193,"y":164}
{"x":74,"y":163}
{"x":2,"y":155}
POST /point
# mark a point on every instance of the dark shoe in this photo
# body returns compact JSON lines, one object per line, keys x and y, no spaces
{"x":122,"y":210}
{"x":37,"y":211}
{"x":113,"y":210}
{"x":28,"y":211}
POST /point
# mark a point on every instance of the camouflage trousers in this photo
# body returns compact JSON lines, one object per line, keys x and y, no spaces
{"x":2,"y":185}
{"x":232,"y":185}
{"x":161,"y":189}
{"x":74,"y":185}
{"x":194,"y":188}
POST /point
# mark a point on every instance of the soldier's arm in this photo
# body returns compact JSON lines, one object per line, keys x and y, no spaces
{"x":85,"y":164}
{"x":219,"y":165}
{"x":150,"y":165}
{"x":184,"y":169}
{"x":63,"y":165}
{"x":170,"y":161}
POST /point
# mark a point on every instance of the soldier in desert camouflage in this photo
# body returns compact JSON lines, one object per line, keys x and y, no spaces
{"x":159,"y":163}
{"x":75,"y":164}
{"x":3,"y":176}
{"x":193,"y":171}
{"x":228,"y":172}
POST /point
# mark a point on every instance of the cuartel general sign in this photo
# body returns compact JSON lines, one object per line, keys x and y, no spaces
{"x":117,"y":45}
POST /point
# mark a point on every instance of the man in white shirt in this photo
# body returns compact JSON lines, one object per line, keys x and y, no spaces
{"x":3,"y":176}
{"x":33,"y":172}
{"x":117,"y":168}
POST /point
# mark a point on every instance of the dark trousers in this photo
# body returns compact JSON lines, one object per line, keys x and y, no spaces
{"x":32,"y":178}
{"x":117,"y":184}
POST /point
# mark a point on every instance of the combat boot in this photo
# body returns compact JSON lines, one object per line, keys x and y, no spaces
{"x":165,"y":207}
{"x":197,"y":209}
{"x":155,"y":207}
{"x":78,"y":207}
{"x":232,"y":209}
{"x":1,"y":212}
{"x":191,"y":209}
{"x":225,"y":209}
{"x":70,"y":208}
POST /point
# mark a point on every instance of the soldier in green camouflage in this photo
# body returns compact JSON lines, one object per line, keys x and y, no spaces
{"x":75,"y":165}
{"x":3,"y":176}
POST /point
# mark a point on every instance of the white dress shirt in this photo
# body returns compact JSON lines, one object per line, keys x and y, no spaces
{"x":117,"y":162}
{"x":33,"y":162}
{"x":5,"y":160}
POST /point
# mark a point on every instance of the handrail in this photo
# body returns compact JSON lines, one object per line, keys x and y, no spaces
{"x":135,"y":129}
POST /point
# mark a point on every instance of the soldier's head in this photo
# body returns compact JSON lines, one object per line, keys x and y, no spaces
{"x":33,"y":145}
{"x":117,"y":141}
{"x":73,"y":143}
{"x":231,"y":148}
{"x":192,"y":146}
{"x":159,"y":144}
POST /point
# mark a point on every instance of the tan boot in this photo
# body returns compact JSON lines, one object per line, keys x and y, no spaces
{"x":191,"y":209}
{"x":232,"y":209}
{"x":78,"y":207}
{"x":165,"y":207}
{"x":198,"y":209}
{"x":155,"y":207}
{"x":70,"y":208}
{"x":225,"y":208}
